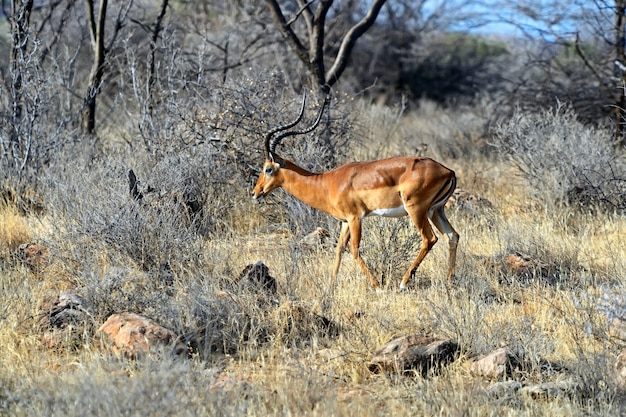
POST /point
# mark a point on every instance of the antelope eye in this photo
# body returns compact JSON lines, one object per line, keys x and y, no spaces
{"x":269,"y":170}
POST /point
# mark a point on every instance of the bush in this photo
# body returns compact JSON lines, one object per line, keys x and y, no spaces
{"x":563,"y":161}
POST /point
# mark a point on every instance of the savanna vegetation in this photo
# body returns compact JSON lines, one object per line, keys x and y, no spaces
{"x":181,"y":93}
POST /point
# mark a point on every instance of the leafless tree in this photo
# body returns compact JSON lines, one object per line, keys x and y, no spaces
{"x":315,"y":20}
{"x":97,"y":26}
{"x":620,"y":65}
{"x":16,"y":147}
{"x":20,"y":28}
{"x":576,"y":53}
{"x":97,"y":32}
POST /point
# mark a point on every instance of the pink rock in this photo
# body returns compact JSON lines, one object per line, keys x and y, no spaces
{"x":495,"y":365}
{"x":132,"y":335}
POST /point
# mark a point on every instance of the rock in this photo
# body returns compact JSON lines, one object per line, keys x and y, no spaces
{"x":514,"y":265}
{"x":518,"y":264}
{"x":132,"y":335}
{"x":295,"y":323}
{"x":550,"y":390}
{"x":496,"y":364}
{"x":64,"y":319}
{"x":65,"y":310}
{"x":413,"y":353}
{"x":317,"y":239}
{"x":503,"y":389}
{"x":256,"y":277}
{"x":35,"y":256}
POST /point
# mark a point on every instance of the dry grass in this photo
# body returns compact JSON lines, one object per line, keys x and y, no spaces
{"x":14,"y":229}
{"x":271,"y":362}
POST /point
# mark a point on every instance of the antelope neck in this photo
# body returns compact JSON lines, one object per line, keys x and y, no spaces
{"x":304,"y":185}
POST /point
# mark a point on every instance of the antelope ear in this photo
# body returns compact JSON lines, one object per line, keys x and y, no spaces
{"x":279,"y":161}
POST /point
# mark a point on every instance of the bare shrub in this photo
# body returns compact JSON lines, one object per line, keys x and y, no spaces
{"x":562,"y":160}
{"x":92,"y":204}
{"x":390,"y":245}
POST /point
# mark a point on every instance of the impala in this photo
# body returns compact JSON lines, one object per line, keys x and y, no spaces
{"x":393,"y":187}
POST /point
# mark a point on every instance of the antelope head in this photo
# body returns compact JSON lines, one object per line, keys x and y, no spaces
{"x":271,"y":177}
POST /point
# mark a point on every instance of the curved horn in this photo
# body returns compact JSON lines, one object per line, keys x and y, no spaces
{"x":269,"y":149}
{"x":274,"y":142}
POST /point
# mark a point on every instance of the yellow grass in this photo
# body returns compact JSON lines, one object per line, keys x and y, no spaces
{"x":322,"y":376}
{"x":14,"y":229}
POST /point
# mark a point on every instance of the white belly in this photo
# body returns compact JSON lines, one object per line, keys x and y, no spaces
{"x":389,"y":212}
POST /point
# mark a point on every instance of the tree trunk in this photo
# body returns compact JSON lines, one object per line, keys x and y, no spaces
{"x":156,"y":30}
{"x":17,"y":147}
{"x":20,"y":23}
{"x":620,"y":39}
{"x":88,"y":119}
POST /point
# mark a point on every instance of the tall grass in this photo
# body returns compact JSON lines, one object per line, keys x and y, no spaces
{"x":259,"y":356}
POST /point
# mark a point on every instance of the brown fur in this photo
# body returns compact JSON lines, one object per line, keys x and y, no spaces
{"x":355,"y":190}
